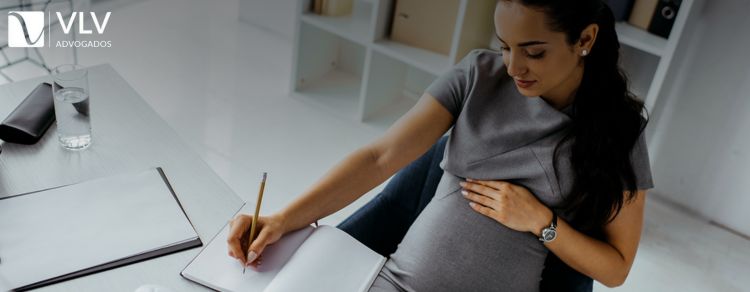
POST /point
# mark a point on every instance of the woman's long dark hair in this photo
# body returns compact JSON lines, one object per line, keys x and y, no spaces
{"x":606,"y":121}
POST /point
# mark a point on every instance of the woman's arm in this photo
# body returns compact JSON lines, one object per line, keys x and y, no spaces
{"x":358,"y":173}
{"x":371,"y":165}
{"x":607,"y":261}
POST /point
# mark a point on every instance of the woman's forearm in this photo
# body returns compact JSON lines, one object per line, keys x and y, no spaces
{"x":594,"y":258}
{"x":369,"y":166}
{"x":345,"y":182}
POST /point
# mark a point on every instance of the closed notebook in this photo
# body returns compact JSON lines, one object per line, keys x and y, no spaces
{"x":70,"y":231}
{"x":311,"y":259}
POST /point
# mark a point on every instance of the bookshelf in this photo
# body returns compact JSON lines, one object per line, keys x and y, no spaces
{"x":649,"y":59}
{"x":349,"y":66}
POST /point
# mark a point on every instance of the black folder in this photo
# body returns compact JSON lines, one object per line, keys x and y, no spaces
{"x":28,"y":122}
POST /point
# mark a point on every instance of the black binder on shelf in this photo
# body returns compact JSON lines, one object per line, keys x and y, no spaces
{"x":664,"y":17}
{"x":89,"y":227}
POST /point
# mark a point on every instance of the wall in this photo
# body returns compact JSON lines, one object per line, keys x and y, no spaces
{"x":701,"y":159}
{"x":274,"y":15}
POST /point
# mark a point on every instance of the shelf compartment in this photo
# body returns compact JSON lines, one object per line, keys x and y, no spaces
{"x":640,"y":39}
{"x":393,"y":89}
{"x":329,"y":70}
{"x":337,"y":92}
{"x":640,"y":67}
{"x":425,"y":60}
{"x":356,"y":27}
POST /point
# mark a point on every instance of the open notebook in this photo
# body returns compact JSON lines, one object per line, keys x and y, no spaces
{"x":61,"y":233}
{"x":311,"y":259}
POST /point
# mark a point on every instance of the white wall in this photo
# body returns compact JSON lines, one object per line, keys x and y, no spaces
{"x":702,"y":158}
{"x":274,"y":15}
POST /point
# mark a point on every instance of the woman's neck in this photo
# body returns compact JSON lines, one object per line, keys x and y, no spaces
{"x":563,"y":95}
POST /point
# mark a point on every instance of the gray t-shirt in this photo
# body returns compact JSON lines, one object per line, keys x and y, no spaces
{"x":498,"y":134}
{"x":497,"y":127}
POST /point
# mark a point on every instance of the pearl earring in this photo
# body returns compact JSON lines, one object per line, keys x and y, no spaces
{"x":584,"y":53}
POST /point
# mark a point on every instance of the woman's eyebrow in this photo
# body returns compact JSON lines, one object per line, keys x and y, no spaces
{"x":524,"y":44}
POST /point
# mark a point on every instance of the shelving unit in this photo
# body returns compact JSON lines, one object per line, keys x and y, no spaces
{"x":349,"y":66}
{"x":396,"y":89}
{"x":648,"y":58}
{"x":419,"y":58}
{"x":355,"y":27}
{"x":640,"y":39}
{"x":329,"y":70}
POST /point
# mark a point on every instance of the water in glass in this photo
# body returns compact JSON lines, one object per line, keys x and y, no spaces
{"x":73,"y":121}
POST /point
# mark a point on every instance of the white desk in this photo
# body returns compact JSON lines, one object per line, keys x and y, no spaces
{"x":127,"y":136}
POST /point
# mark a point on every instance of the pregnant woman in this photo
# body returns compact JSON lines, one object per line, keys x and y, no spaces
{"x":546,"y":154}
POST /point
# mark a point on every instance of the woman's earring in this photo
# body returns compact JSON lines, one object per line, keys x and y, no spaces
{"x":584,"y":53}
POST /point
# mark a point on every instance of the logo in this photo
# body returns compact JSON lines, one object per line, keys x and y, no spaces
{"x":26,"y":29}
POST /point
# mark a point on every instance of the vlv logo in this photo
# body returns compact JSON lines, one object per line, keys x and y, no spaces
{"x":26,"y":29}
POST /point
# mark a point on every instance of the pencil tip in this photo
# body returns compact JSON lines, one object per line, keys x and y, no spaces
{"x":264,"y":175}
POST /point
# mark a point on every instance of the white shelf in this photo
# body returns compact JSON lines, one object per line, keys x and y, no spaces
{"x":423,"y":59}
{"x":640,"y":39}
{"x":356,"y":29}
{"x":384,"y":69}
{"x":335,"y":91}
{"x":385,"y":75}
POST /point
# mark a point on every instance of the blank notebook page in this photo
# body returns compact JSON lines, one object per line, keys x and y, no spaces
{"x":329,"y":260}
{"x":214,"y":268}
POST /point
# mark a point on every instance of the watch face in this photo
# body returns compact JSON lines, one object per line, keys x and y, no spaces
{"x":549,"y":234}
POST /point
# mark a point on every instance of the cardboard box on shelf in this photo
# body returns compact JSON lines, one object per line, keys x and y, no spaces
{"x":430,"y":29}
{"x":337,"y":7}
{"x":643,"y":12}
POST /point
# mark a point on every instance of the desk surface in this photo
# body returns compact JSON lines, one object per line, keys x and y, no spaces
{"x":127,"y":136}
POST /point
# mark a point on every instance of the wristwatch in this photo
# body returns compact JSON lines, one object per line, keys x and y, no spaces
{"x":550,"y":233}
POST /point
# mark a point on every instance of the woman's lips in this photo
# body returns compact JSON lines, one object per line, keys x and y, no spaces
{"x":524,"y":84}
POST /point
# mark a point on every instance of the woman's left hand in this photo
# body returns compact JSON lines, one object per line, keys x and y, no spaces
{"x":511,"y":205}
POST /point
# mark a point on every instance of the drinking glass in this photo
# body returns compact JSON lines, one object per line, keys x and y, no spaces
{"x":71,"y":94}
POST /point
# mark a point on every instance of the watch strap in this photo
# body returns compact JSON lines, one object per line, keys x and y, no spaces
{"x":554,"y":219}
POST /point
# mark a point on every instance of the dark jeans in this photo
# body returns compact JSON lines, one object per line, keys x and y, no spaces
{"x":382,"y":223}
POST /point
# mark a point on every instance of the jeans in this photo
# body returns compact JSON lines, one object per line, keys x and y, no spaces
{"x":382,"y":223}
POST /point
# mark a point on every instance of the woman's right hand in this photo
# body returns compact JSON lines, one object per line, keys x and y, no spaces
{"x":267,"y":231}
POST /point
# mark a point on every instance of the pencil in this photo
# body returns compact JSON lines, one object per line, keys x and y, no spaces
{"x":255,"y":216}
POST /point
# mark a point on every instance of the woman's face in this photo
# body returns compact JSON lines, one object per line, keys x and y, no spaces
{"x":540,"y":60}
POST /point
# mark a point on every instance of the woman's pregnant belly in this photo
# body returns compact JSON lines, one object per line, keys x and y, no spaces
{"x":451,"y":247}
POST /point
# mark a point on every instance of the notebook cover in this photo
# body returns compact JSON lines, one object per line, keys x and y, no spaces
{"x":180,"y":246}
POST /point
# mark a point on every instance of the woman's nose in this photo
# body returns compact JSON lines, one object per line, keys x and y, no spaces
{"x":516,"y":66}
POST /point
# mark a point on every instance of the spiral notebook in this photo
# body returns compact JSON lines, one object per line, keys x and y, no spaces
{"x":311,"y":259}
{"x":66,"y":232}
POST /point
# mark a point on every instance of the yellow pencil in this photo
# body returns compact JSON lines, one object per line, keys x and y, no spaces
{"x":255,"y":216}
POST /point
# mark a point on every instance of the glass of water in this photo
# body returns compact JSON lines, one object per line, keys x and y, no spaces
{"x":71,"y":94}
